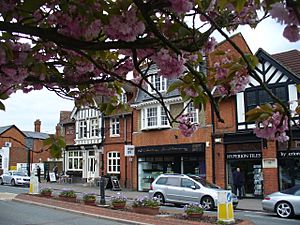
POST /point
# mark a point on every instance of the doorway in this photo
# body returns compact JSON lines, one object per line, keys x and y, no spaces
{"x":91,"y":164}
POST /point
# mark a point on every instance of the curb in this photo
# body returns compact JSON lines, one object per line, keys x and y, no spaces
{"x":80,"y":212}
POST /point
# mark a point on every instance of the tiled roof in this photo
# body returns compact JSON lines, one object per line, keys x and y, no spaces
{"x":36,"y":135}
{"x":290,"y":60}
{"x":65,"y":117}
{"x":5,"y":128}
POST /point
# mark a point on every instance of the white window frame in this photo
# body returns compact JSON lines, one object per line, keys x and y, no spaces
{"x":113,"y":162}
{"x":123,"y":97}
{"x":158,"y":82}
{"x":82,"y":129}
{"x":94,"y":125}
{"x":74,"y":156}
{"x":159,"y":118}
{"x":189,"y":108}
{"x":115,"y":126}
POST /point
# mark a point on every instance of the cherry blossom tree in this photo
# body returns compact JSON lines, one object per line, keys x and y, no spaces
{"x":84,"y":50}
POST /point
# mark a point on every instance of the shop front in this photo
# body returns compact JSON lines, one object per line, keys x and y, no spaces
{"x":250,"y":164}
{"x":156,"y":160}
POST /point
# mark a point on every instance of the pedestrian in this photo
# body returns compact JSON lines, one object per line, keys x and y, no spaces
{"x":55,"y":170}
{"x":238,"y":182}
{"x":38,"y":170}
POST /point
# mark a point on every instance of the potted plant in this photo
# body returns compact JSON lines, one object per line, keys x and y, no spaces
{"x":89,"y":199}
{"x":118,"y":201}
{"x":146,"y":205}
{"x":46,"y":192}
{"x":68,"y":195}
{"x":194,"y":210}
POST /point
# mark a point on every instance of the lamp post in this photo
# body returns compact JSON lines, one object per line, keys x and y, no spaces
{"x":102,"y":178}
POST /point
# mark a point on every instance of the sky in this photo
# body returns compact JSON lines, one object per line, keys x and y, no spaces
{"x":23,"y":109}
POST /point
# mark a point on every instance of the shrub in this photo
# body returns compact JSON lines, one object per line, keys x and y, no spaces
{"x":89,"y":197}
{"x":193,"y":208}
{"x":68,"y":193}
{"x":145,"y":201}
{"x":47,"y":190}
{"x":119,"y":198}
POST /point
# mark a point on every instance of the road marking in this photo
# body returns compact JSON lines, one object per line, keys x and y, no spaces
{"x":7,"y":196}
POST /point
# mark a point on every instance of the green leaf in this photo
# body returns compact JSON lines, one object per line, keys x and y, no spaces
{"x":2,"y":106}
{"x":175,"y":85}
{"x":32,"y":5}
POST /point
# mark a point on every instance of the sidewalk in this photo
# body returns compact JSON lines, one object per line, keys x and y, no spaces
{"x":244,"y":204}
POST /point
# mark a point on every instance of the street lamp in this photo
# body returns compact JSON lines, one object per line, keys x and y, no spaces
{"x":102,"y":178}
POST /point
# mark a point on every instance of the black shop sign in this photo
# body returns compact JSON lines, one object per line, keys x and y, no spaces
{"x":243,"y":155}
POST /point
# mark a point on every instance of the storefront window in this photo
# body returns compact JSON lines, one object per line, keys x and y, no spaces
{"x":289,"y":172}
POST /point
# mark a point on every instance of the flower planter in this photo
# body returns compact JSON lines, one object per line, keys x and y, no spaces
{"x":119,"y":205}
{"x":146,"y":210}
{"x":195,"y":215}
{"x":46,"y":195}
{"x":90,"y":202}
{"x":67,"y":199}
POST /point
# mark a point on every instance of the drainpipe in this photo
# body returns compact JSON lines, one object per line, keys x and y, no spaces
{"x":213,"y":144}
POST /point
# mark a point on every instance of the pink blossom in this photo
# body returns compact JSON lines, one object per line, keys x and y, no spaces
{"x":125,"y":68}
{"x":292,"y":33}
{"x":186,"y":127}
{"x":170,"y":65}
{"x":209,"y":46}
{"x":191,"y":92}
{"x":125,"y":27}
{"x":182,"y":6}
{"x":273,"y":128}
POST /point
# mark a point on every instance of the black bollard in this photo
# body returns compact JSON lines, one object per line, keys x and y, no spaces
{"x":102,"y":190}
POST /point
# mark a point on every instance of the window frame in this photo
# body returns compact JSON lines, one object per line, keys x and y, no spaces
{"x":111,"y":158}
{"x":195,"y":112}
{"x":158,"y":82}
{"x":75,"y":157}
{"x":114,"y":126}
{"x":160,"y":119}
{"x":82,"y":129}
{"x":94,"y":127}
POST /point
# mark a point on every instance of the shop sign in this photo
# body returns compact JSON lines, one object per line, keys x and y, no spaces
{"x":291,"y":154}
{"x":244,"y":155}
{"x":171,"y":149}
{"x":129,"y":150}
{"x":269,"y":163}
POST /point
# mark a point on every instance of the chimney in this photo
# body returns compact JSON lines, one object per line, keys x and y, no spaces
{"x":37,"y":126}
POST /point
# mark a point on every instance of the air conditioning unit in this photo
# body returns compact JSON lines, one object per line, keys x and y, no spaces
{"x":7,"y":144}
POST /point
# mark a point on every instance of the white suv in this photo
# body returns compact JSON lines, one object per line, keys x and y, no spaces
{"x":185,"y":189}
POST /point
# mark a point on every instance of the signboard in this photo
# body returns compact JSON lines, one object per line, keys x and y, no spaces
{"x":52,"y":177}
{"x":170,"y":149}
{"x":129,"y":150}
{"x":290,"y":154}
{"x":115,"y":184}
{"x":269,"y":163}
{"x":243,"y":155}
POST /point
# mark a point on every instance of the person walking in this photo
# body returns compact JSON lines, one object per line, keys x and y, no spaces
{"x":238,"y":182}
{"x":38,"y":171}
{"x":55,"y":170}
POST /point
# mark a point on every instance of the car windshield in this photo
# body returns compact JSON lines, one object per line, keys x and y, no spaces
{"x":204,"y":182}
{"x":291,"y":190}
{"x":19,"y":174}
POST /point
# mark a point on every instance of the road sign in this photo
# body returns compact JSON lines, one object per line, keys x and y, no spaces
{"x":225,"y":207}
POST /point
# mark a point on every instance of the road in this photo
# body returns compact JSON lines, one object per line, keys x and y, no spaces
{"x":52,"y":216}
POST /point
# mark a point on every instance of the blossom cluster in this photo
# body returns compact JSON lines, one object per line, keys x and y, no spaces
{"x":186,"y":127}
{"x":193,"y":208}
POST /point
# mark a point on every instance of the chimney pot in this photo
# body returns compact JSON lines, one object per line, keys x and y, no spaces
{"x":37,"y":126}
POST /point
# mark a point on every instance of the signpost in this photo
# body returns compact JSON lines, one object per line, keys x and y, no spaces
{"x":225,"y":207}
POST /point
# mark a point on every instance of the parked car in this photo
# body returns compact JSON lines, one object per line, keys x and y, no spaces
{"x":284,"y":203}
{"x":185,"y":189}
{"x":14,"y":178}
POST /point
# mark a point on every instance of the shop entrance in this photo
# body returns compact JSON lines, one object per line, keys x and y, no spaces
{"x":252,"y":172}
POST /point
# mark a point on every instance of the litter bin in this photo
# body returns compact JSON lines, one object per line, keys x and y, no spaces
{"x":225,"y":207}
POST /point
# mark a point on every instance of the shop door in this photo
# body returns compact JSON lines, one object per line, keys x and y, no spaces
{"x":91,"y":164}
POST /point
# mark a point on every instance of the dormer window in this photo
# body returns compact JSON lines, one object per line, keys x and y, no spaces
{"x":123,"y":97}
{"x":193,"y":112}
{"x":158,"y":82}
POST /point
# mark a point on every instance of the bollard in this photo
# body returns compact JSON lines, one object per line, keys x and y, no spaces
{"x":34,"y":186}
{"x":225,"y":207}
{"x":102,"y":190}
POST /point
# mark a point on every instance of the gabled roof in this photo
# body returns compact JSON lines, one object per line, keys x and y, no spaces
{"x":6,"y":128}
{"x":36,"y":135}
{"x":290,"y":60}
{"x":65,"y":117}
{"x":283,"y":62}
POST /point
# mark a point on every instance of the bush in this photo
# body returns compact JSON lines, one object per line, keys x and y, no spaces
{"x":47,"y":190}
{"x":145,"y":201}
{"x":68,"y":193}
{"x":119,"y":198}
{"x":193,"y":208}
{"x":89,"y":197}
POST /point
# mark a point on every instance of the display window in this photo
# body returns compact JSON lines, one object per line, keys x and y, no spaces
{"x":289,"y":172}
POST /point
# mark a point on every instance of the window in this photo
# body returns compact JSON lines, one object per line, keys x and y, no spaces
{"x":82,"y":129}
{"x":115,"y":126}
{"x":158,"y":82}
{"x":94,"y":128}
{"x":193,"y":112}
{"x":113,"y":162}
{"x":255,"y":97}
{"x":123,"y":97}
{"x":154,"y":117}
{"x":162,"y":180}
{"x":173,"y":181}
{"x":187,"y":183}
{"x":75,"y":160}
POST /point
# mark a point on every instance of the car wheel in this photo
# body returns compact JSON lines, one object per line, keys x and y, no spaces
{"x":13,"y":182}
{"x":1,"y":181}
{"x":284,"y":209}
{"x":160,"y":197}
{"x":207,"y":203}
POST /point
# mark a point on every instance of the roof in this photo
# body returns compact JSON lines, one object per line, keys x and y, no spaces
{"x":36,"y":135}
{"x":290,"y":60}
{"x":6,"y":128}
{"x":65,"y":117}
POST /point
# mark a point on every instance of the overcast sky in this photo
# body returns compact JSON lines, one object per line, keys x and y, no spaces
{"x":23,"y":109}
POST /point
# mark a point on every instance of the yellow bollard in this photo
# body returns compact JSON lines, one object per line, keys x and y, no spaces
{"x":225,"y":207}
